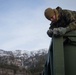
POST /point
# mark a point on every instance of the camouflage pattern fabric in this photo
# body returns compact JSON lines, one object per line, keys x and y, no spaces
{"x":67,"y":18}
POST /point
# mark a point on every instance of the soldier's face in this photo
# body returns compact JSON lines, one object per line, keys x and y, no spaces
{"x":53,"y":18}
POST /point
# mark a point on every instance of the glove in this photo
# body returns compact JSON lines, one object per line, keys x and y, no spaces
{"x":56,"y":32}
{"x":59,"y":31}
{"x":50,"y":32}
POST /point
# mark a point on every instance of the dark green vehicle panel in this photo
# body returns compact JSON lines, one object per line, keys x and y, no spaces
{"x":61,"y":58}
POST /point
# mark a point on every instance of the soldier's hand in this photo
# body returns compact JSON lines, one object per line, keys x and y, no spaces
{"x":62,"y":30}
{"x":56,"y":32}
{"x":50,"y":32}
{"x":59,"y":31}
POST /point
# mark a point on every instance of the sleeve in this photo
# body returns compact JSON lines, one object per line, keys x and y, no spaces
{"x":52,"y":25}
{"x":71,"y":21}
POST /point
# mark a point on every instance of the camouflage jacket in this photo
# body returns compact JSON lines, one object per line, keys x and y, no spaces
{"x":67,"y":19}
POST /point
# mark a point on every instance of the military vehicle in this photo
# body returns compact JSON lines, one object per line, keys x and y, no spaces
{"x":61,"y":58}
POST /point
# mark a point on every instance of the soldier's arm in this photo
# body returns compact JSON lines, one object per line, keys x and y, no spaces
{"x":50,"y":30}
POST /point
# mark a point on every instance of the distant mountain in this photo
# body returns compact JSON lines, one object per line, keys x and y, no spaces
{"x":33,"y":62}
{"x":20,"y":53}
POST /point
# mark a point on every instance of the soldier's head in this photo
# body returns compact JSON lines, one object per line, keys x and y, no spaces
{"x":51,"y":14}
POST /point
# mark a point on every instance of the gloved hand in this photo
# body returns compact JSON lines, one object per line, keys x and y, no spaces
{"x":59,"y":31}
{"x":50,"y":32}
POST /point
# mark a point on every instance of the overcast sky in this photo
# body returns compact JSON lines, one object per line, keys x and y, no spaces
{"x":23,"y":25}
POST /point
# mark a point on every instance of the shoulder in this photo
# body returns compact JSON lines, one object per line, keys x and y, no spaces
{"x":68,"y":13}
{"x":64,"y":11}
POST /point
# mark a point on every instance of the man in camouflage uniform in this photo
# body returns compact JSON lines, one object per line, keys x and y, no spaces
{"x":62,"y":21}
